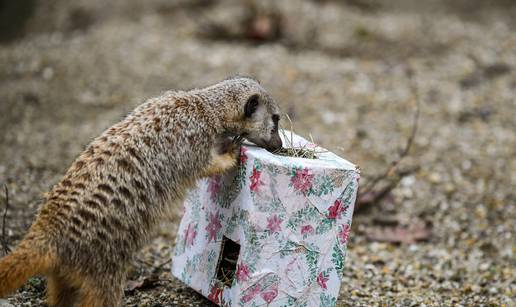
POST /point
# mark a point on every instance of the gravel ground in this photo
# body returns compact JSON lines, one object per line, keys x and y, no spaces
{"x":341,"y":69}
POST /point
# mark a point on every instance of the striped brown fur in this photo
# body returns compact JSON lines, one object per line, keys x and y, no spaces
{"x":119,"y":188}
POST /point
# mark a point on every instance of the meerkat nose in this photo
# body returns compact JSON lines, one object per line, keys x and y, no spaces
{"x":274,"y":144}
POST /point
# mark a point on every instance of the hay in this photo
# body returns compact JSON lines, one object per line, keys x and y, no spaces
{"x":227,"y":265}
{"x":289,"y":150}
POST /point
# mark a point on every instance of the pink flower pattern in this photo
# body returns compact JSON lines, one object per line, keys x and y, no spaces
{"x":274,"y":223}
{"x":344,"y":233}
{"x":215,"y":294}
{"x":321,"y":280}
{"x":190,"y":234}
{"x":214,"y":187}
{"x":336,"y":209}
{"x":306,"y":229}
{"x":242,"y":273}
{"x":293,"y":185}
{"x":251,"y":293}
{"x":213,"y":227}
{"x":270,"y":294}
{"x":243,"y":156}
{"x":255,"y":180}
{"x":302,"y":180}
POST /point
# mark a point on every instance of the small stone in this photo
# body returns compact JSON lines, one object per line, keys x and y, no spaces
{"x":434,"y":177}
{"x":5,"y":303}
{"x":484,"y":266}
{"x":408,"y":181}
{"x":48,"y":73}
{"x":449,"y":188}
{"x":466,"y":165}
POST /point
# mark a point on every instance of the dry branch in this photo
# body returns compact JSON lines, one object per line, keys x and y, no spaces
{"x":376,"y":188}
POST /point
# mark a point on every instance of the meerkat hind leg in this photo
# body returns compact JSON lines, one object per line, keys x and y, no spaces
{"x":60,"y":293}
{"x":103,"y":294}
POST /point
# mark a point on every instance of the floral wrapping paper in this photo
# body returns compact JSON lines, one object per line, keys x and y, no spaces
{"x":291,"y":218}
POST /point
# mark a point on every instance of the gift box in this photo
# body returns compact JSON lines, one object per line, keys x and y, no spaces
{"x":271,"y":233}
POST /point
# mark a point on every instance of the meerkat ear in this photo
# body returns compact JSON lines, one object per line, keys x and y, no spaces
{"x":250,"y":106}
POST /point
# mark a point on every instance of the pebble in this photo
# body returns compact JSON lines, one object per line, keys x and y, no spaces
{"x":48,"y":73}
{"x":5,"y":303}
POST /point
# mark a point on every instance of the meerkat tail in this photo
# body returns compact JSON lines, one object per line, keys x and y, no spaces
{"x":17,"y":267}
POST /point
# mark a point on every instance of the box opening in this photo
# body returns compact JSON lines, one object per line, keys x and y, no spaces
{"x":228,"y":259}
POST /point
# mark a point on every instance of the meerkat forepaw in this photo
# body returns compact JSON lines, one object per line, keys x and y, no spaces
{"x":230,"y":146}
{"x":224,"y":155}
{"x":235,"y":146}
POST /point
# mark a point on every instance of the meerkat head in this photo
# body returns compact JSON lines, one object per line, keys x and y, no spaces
{"x":257,"y":115}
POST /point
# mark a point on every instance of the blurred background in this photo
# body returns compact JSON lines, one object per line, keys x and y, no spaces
{"x":366,"y":78}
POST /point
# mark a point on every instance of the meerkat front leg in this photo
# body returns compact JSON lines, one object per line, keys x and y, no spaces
{"x":224,"y":156}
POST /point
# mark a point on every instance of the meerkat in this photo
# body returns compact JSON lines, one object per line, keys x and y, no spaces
{"x":114,"y":194}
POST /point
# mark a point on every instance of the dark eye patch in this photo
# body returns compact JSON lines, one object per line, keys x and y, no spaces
{"x":251,"y":106}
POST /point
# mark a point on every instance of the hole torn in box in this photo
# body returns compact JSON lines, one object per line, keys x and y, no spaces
{"x":228,"y":258}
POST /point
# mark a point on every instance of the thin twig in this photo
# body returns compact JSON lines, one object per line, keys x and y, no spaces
{"x":4,"y":236}
{"x":372,"y":185}
{"x":163,"y":264}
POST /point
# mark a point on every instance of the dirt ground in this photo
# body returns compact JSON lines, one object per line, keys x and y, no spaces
{"x":342,"y":70}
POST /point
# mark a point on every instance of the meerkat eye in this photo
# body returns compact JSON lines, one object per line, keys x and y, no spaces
{"x":251,"y":106}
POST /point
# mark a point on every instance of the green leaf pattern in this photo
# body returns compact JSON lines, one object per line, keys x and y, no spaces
{"x":291,"y":199}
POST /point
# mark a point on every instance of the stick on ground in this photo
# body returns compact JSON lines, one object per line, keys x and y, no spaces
{"x":5,"y":245}
{"x":371,"y":193}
